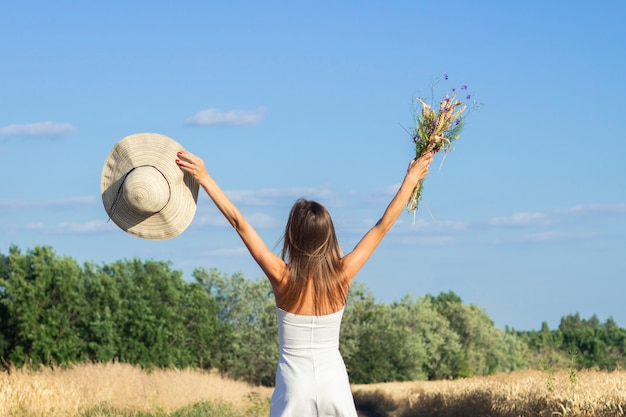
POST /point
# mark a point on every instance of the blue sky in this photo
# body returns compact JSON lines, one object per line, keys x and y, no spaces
{"x":526,"y":218}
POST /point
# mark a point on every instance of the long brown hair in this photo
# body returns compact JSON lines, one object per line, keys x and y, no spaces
{"x":312,"y":252}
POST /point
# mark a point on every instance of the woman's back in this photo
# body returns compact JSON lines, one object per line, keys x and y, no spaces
{"x":310,"y":303}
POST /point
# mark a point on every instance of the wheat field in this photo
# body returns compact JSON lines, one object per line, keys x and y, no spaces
{"x":116,"y":389}
{"x":71,"y":391}
{"x":522,"y":393}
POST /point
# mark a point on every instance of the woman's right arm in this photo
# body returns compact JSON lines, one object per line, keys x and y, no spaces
{"x":354,"y":261}
{"x":272,"y":265}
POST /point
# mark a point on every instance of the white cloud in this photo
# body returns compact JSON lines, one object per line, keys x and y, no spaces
{"x":259,"y":220}
{"x":51,"y":204}
{"x":217,"y":117}
{"x":548,"y":219}
{"x":38,"y":129}
{"x":435,"y":240}
{"x":581,"y":209}
{"x":429,"y":226}
{"x":63,"y":228}
{"x":232,"y":251}
{"x":277,"y":196}
{"x":548,"y":236}
{"x":213,"y":218}
{"x":521,"y":219}
{"x":262,"y":220}
{"x":79,"y":228}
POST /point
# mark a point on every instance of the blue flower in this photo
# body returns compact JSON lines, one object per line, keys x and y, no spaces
{"x":445,"y":76}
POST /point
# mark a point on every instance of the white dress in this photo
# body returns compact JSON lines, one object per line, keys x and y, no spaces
{"x":311,"y":378}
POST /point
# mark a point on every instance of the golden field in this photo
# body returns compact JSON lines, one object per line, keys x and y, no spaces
{"x":521,"y":393}
{"x":124,"y":390}
{"x":70,"y":391}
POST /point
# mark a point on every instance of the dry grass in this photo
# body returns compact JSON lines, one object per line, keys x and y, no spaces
{"x":73,"y":390}
{"x":528,"y":393}
{"x":120,"y":389}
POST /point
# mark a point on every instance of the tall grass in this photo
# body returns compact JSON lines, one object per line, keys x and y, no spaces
{"x":523,"y":393}
{"x":120,"y":390}
{"x":116,"y":389}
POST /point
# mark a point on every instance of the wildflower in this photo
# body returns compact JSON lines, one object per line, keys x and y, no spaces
{"x":436,"y":129}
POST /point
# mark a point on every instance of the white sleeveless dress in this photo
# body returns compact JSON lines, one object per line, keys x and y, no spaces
{"x":311,"y":378}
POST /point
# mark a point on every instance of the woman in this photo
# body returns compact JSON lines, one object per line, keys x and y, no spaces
{"x":310,"y":283}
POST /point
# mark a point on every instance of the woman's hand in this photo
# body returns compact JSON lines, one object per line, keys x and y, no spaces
{"x":193,"y":165}
{"x":418,"y":168}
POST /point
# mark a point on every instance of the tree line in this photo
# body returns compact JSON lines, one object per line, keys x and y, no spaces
{"x":54,"y":311}
{"x":578,"y":343}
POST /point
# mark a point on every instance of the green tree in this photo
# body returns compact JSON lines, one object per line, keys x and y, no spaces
{"x":202,"y":329}
{"x":544,"y":348}
{"x":384,"y":349}
{"x":139,"y":312}
{"x":143,"y":312}
{"x":102,"y":313}
{"x":8,"y":322}
{"x":359,"y":310}
{"x":443,"y":351}
{"x":407,"y":340}
{"x":592,"y":344}
{"x":153,"y":314}
{"x":616,"y":344}
{"x":249,"y":346}
{"x":43,"y":298}
{"x":486,"y":349}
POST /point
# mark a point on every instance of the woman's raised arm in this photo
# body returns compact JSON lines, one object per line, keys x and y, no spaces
{"x":354,"y":261}
{"x":273,"y":267}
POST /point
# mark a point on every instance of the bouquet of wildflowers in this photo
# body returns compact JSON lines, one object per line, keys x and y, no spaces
{"x":435,"y":130}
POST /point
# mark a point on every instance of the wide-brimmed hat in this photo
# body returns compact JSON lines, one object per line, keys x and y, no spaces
{"x":144,"y":191}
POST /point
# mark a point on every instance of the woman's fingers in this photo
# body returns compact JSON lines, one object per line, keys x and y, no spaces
{"x":190,"y":163}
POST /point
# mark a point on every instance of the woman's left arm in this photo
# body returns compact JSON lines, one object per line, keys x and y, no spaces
{"x":272,"y":265}
{"x":354,"y":261}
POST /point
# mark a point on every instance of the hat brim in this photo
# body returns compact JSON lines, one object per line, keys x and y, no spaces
{"x":160,"y":152}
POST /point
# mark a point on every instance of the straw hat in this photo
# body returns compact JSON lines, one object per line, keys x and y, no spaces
{"x":144,"y":191}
